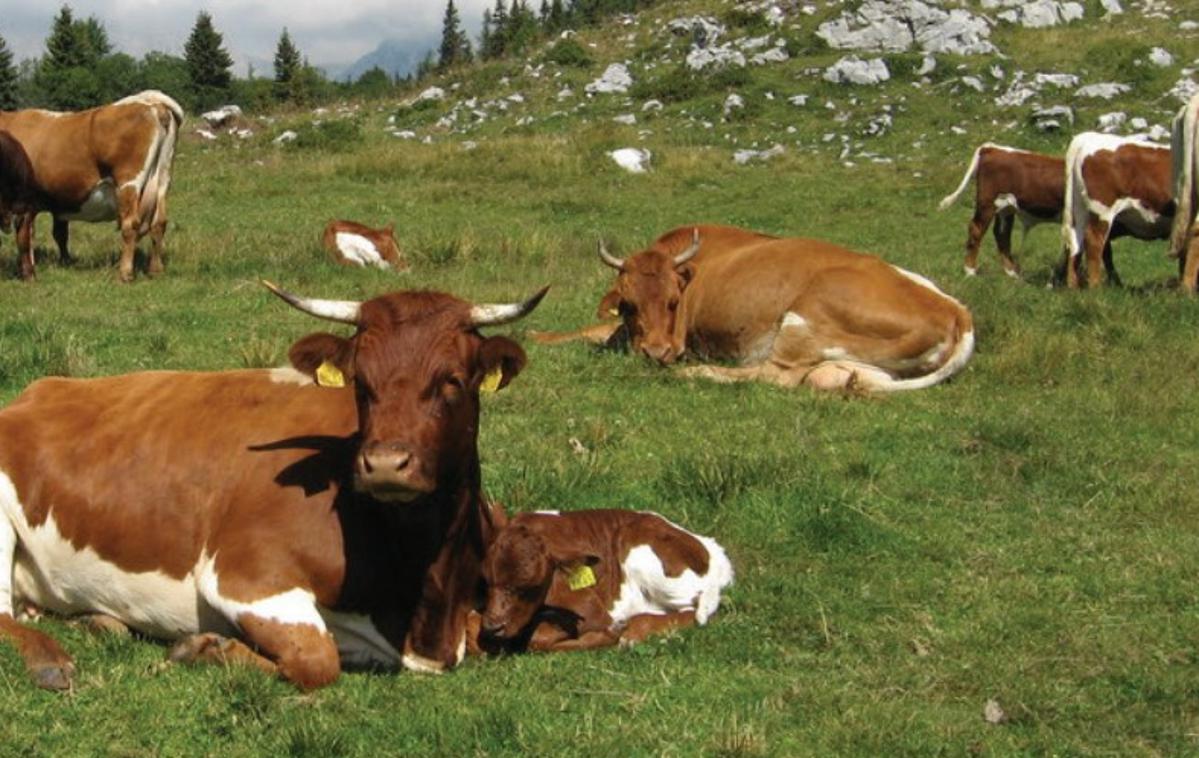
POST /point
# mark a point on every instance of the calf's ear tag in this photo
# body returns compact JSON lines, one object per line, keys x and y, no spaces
{"x":613,"y":311}
{"x":329,"y":375}
{"x":580,"y":577}
{"x":491,"y":381}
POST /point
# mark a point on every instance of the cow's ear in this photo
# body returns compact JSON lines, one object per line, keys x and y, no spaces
{"x":686,"y":273}
{"x":609,"y":306}
{"x":309,"y":353}
{"x":500,"y":360}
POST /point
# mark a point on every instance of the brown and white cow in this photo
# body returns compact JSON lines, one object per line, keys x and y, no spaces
{"x":293,"y":523}
{"x":1115,"y":186}
{"x":1184,"y":237}
{"x":354,"y":244}
{"x":1010,"y":184}
{"x":791,"y":311}
{"x":107,"y":163}
{"x":588,"y":579}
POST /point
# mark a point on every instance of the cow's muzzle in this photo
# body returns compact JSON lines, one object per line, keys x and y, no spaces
{"x":663,"y":354}
{"x":392,"y":472}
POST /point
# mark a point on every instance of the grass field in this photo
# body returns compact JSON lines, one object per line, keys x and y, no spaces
{"x":1023,"y":534}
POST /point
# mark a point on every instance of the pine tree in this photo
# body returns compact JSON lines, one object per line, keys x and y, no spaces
{"x":63,"y":48}
{"x":499,"y":31}
{"x":485,"y":34}
{"x":557,"y":18}
{"x":8,"y":78}
{"x":287,"y":67}
{"x":455,"y":47}
{"x":208,"y":63}
{"x":93,"y":40}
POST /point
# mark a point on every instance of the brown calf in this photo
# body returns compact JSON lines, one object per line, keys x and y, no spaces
{"x":353,"y":244}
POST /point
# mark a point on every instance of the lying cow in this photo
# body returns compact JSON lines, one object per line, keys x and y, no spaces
{"x":1115,"y":186}
{"x":292,"y":519}
{"x":107,"y":163}
{"x":353,"y":244}
{"x":1010,"y":184}
{"x":589,"y":579}
{"x":791,"y":311}
{"x":1184,"y":236}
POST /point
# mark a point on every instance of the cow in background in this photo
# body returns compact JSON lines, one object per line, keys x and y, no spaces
{"x":1115,"y":186}
{"x":589,"y":579}
{"x":354,"y":244}
{"x":1184,"y":235}
{"x":107,"y":163}
{"x":1010,"y":184}
{"x":295,"y":520}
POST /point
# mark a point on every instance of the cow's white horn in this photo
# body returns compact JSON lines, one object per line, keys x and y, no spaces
{"x":690,"y":252}
{"x":496,"y":314}
{"x":344,"y":311}
{"x":609,"y":259}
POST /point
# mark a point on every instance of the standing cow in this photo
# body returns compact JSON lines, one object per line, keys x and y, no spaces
{"x":1184,"y":236}
{"x":1115,"y":186}
{"x":294,"y":519}
{"x":107,"y":163}
{"x":1010,"y":184}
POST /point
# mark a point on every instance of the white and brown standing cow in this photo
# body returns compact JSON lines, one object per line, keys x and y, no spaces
{"x":791,"y":311}
{"x":296,"y":519}
{"x":1184,"y":237}
{"x":107,"y":163}
{"x":1010,"y":184}
{"x":1115,"y":186}
{"x":589,"y":579}
{"x":354,"y":244}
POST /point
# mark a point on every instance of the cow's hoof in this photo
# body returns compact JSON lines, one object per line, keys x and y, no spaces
{"x":53,"y":676}
{"x":126,"y":277}
{"x":193,"y":648}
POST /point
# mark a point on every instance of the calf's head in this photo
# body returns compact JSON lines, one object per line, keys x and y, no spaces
{"x":416,"y":364}
{"x":647,"y":295}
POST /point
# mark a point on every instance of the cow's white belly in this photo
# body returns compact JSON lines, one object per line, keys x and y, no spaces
{"x":359,"y":250}
{"x":100,"y":205}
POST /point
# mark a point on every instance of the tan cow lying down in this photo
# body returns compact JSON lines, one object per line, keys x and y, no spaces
{"x":354,"y":244}
{"x":1009,"y":183}
{"x":107,"y":163}
{"x":588,"y":579}
{"x":1184,"y":237}
{"x":791,"y":311}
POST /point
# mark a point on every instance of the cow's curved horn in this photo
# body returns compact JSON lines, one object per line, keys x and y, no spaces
{"x":690,"y":252}
{"x":344,"y":311}
{"x":609,"y":259}
{"x":503,"y":313}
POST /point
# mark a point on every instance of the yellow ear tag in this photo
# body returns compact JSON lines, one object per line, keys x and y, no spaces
{"x":491,"y":382}
{"x":613,"y":311}
{"x":580,"y":577}
{"x":328,"y":375}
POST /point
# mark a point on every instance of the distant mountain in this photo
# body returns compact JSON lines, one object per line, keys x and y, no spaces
{"x":396,"y":57}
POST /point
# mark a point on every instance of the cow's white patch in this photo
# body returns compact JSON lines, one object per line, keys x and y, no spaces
{"x":834,"y":353}
{"x":422,"y":665}
{"x":100,"y":205}
{"x":294,"y":606}
{"x":792,"y":320}
{"x":359,"y":641}
{"x":548,"y":513}
{"x":359,"y":250}
{"x":926,"y":283}
{"x":971,"y":271}
{"x":289,"y":375}
{"x":8,"y":555}
{"x":1006,"y":201}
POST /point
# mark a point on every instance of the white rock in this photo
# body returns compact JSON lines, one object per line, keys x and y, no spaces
{"x":469,"y":145}
{"x":898,"y":25}
{"x":221,"y":116}
{"x":404,"y":134}
{"x":615,"y":79}
{"x":1111,"y":122}
{"x":1111,"y":7}
{"x":565,"y":93}
{"x":721,"y":56}
{"x":1158,"y":133}
{"x":632,"y":159}
{"x":1104,"y":91}
{"x":431,"y":93}
{"x":974,"y":83}
{"x":1188,"y":26}
{"x":206,"y":134}
{"x":733,"y":102}
{"x":853,"y":70}
{"x":927,"y":66}
{"x":773,"y":55}
{"x":285,"y":137}
{"x":742,"y":157}
{"x":1138,"y":124}
{"x":651,"y":106}
{"x":798,"y":101}
{"x":242,"y":133}
{"x":1056,"y":80}
{"x":703,"y":30}
{"x":516,"y":97}
{"x":1051,"y":119}
{"x":625,"y":118}
{"x":1161,"y":57}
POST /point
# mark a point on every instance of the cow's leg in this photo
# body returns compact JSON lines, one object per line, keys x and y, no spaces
{"x":597,"y":334}
{"x":62,"y":236}
{"x":24,"y":239}
{"x":1189,"y":265}
{"x":762,"y":372}
{"x":213,"y":648}
{"x":1109,"y":266}
{"x":1094,"y":240}
{"x":158,"y":230}
{"x":128,"y":212}
{"x":1003,"y":242}
{"x":645,"y":625}
{"x":983,"y":213}
{"x":48,"y":664}
{"x":550,"y":638}
{"x":102,"y":623}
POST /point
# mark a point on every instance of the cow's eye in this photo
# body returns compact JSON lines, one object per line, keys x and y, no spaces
{"x":455,"y":383}
{"x":673,"y":305}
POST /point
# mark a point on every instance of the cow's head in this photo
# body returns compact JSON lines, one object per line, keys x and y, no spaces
{"x":518,"y":572}
{"x":647,"y":295}
{"x":417,"y":364}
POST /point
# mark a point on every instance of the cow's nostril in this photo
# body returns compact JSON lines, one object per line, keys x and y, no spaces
{"x":365,"y":461}
{"x":401,"y":460}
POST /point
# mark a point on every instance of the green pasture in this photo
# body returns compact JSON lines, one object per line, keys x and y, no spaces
{"x":1024,"y":534}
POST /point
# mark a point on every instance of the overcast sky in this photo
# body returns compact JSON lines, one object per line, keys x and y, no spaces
{"x":326,"y":31}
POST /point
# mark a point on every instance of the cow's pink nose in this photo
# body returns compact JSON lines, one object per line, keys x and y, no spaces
{"x":659,"y":353}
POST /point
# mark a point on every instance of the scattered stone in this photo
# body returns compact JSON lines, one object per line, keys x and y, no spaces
{"x":222,"y":116}
{"x":777,"y":54}
{"x":1188,"y":26}
{"x":615,"y":79}
{"x":1056,"y":80}
{"x":733,"y":102}
{"x":204,"y":133}
{"x":651,"y":106}
{"x":927,"y":66}
{"x":565,"y":92}
{"x":404,"y":134}
{"x":993,"y":713}
{"x":742,"y":157}
{"x":898,"y":25}
{"x":1051,"y":119}
{"x":1036,"y":14}
{"x":704,"y":31}
{"x":627,"y":119}
{"x":1158,"y":133}
{"x":853,"y":70}
{"x":722,"y":56}
{"x":285,"y":137}
{"x":632,"y":159}
{"x":469,"y":145}
{"x":798,"y":101}
{"x":974,"y":83}
{"x":1111,"y":7}
{"x":1185,"y":88}
{"x":997,"y":72}
{"x":1139,"y":124}
{"x":1112,"y":122}
{"x":1104,"y":91}
{"x":432,"y":93}
{"x":1161,"y":57}
{"x":242,"y":133}
{"x":516,"y":97}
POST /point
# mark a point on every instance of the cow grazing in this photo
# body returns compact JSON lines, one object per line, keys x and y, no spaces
{"x":792,"y":311}
{"x":1115,"y":186}
{"x":353,"y":244}
{"x":293,"y":519}
{"x":1184,"y":236}
{"x":107,"y":163}
{"x":588,"y":579}
{"x":1010,"y":184}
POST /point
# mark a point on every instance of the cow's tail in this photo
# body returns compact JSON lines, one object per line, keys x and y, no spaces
{"x":169,"y":116}
{"x":963,"y":348}
{"x":1182,"y":147}
{"x":970,"y":172}
{"x":1072,"y":205}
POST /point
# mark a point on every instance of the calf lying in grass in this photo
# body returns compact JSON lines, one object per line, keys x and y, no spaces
{"x":588,"y":579}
